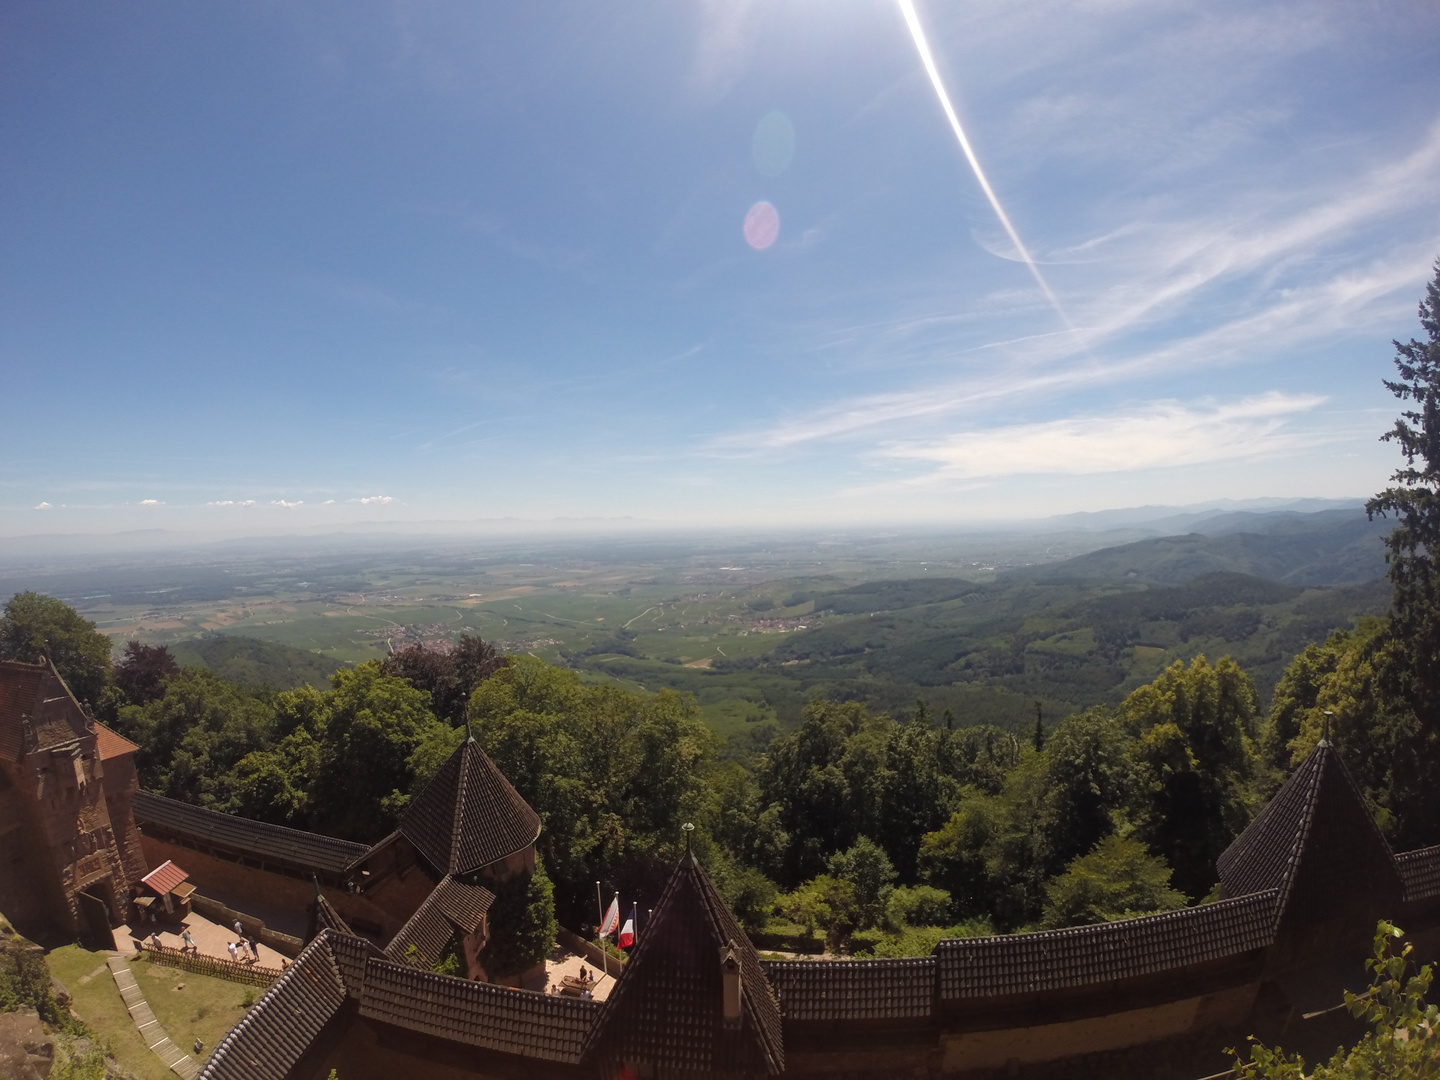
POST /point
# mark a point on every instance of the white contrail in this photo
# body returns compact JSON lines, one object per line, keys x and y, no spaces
{"x":907,"y":8}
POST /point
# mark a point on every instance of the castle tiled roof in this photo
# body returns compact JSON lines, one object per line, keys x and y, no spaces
{"x":1104,"y":952}
{"x":275,"y":1033}
{"x":1420,"y":871}
{"x":1316,"y":842}
{"x":351,"y":955}
{"x":519,"y":1022}
{"x":840,"y":990}
{"x":452,"y":907}
{"x":666,"y":1008}
{"x":37,"y":710}
{"x":305,"y":851}
{"x":469,"y":816}
{"x":324,"y":916}
{"x":111,"y":744}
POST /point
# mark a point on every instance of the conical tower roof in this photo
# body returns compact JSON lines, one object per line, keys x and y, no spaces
{"x":667,"y":1009}
{"x":1316,"y":842}
{"x":469,"y":816}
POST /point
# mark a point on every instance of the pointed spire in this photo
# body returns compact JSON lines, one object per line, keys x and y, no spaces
{"x":1317,"y":843}
{"x":469,"y":816}
{"x":693,"y":995}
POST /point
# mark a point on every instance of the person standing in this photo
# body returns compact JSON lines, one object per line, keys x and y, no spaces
{"x":239,"y":930}
{"x":254,"y":949}
{"x":187,"y":943}
{"x":234,"y":953}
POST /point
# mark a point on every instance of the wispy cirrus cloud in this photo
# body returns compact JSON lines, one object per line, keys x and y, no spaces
{"x":1213,"y":290}
{"x":1159,"y":434}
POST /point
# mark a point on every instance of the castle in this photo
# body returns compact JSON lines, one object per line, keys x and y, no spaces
{"x":69,"y":849}
{"x":1156,"y":996}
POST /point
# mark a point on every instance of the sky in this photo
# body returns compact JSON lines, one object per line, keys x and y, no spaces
{"x":274,"y":266}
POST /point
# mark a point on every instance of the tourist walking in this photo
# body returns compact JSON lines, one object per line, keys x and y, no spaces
{"x":187,"y":943}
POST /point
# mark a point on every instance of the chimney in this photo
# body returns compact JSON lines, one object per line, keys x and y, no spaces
{"x":730,"y":981}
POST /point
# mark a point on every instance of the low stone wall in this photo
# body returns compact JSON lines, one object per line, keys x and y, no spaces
{"x":611,"y":965}
{"x":256,"y":928}
{"x":208,"y":965}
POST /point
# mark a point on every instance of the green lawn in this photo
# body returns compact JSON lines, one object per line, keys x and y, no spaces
{"x":188,"y":1006}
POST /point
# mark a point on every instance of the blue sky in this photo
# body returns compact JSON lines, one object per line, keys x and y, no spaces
{"x":286,"y":266}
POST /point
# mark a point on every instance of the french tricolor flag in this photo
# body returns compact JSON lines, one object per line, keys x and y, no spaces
{"x":627,"y":932}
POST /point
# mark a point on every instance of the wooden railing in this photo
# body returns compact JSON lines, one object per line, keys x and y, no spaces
{"x":250,"y":974}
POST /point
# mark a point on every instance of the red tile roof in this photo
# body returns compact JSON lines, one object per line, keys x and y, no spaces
{"x":111,"y":744}
{"x":37,"y":710}
{"x":165,"y":877}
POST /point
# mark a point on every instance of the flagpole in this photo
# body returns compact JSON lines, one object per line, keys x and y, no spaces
{"x":600,"y":908}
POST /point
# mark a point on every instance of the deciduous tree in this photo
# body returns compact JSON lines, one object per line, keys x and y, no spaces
{"x":35,"y":625}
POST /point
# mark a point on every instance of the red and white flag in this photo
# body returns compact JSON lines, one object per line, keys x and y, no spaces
{"x":611,"y":920}
{"x":627,"y":932}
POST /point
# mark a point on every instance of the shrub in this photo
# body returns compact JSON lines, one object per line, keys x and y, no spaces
{"x":917,"y":905}
{"x":1404,"y":1041}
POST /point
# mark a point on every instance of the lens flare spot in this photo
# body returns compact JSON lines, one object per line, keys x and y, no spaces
{"x":762,"y":226}
{"x":773,"y":144}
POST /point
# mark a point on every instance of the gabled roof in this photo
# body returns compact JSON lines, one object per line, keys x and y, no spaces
{"x":165,"y":877}
{"x":274,"y":1035}
{"x":1316,"y":842}
{"x":1104,"y":952}
{"x":832,"y":990}
{"x":520,"y":1022}
{"x":304,"y":851}
{"x":666,"y":1008}
{"x":452,"y":907}
{"x":469,"y":816}
{"x":37,"y":710}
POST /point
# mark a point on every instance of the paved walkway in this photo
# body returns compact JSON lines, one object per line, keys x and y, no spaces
{"x":175,"y":1059}
{"x":562,"y":962}
{"x":210,"y":939}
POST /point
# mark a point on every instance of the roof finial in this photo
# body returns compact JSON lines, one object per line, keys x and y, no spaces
{"x":687,"y":829}
{"x":1325,"y":728}
{"x":469,"y":735}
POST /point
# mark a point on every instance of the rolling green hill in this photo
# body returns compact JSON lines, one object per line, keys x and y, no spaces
{"x":255,"y":663}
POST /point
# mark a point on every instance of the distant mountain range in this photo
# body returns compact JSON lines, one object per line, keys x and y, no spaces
{"x":1163,"y":520}
{"x":1325,"y":547}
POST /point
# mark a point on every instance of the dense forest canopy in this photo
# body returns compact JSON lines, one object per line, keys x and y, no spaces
{"x":901,"y":825}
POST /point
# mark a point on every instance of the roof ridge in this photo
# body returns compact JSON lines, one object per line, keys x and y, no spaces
{"x":457,"y":812}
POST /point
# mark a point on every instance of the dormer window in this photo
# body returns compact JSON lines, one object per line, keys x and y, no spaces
{"x":730,"y":982}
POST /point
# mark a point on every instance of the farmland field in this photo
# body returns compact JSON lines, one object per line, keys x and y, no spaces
{"x":985,"y":624}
